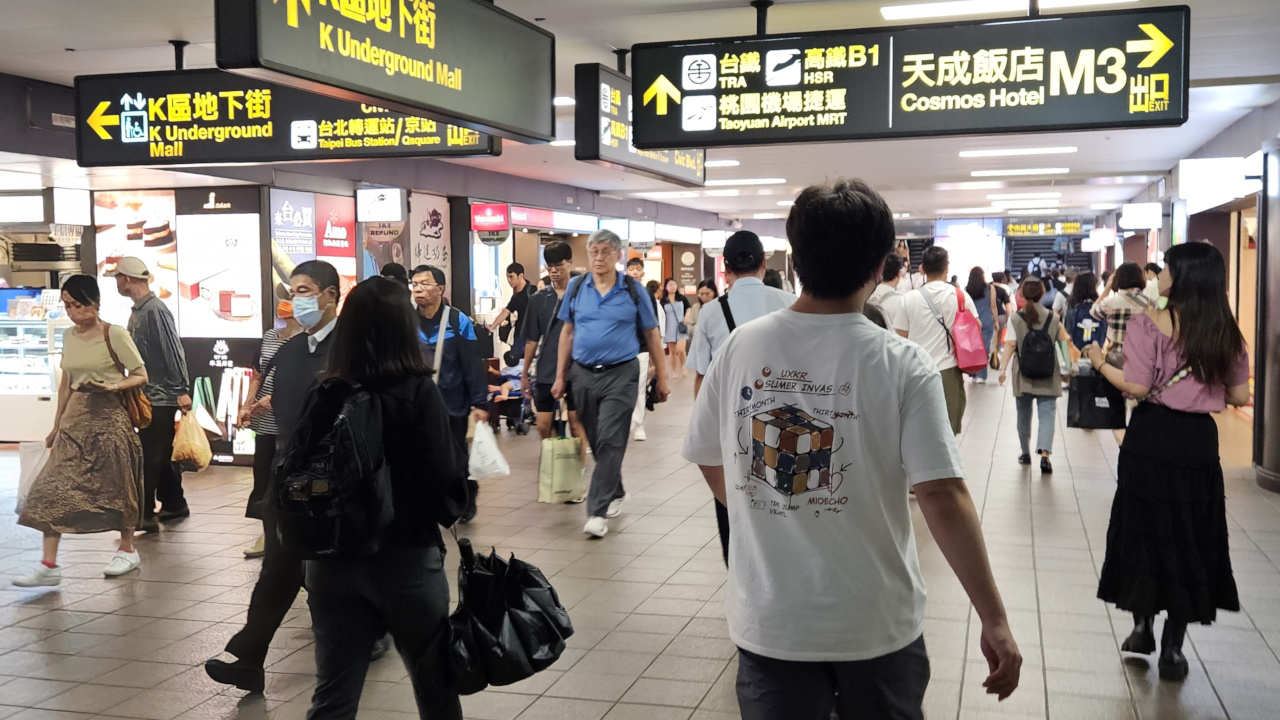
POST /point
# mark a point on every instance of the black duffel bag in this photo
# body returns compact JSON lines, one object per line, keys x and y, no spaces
{"x":1093,"y":403}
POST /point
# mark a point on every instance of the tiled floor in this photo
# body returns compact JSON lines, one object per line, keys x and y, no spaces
{"x":646,"y":601}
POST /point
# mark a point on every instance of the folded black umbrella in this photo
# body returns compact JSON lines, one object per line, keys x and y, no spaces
{"x":509,"y":623}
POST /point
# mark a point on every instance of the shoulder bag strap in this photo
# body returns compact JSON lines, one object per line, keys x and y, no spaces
{"x":728,"y":312}
{"x":555,"y":312}
{"x":444,"y":324}
{"x":106,"y":337}
{"x":991,"y":289}
{"x":937,"y":315}
{"x":1184,"y":372}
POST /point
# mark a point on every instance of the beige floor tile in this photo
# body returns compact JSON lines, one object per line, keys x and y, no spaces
{"x":655,"y":691}
{"x":552,"y":708}
{"x":489,"y":705}
{"x":624,"y":711}
{"x":88,"y":698}
{"x":591,"y":686}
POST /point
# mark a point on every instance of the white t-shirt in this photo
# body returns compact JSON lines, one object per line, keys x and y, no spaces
{"x":846,"y":417}
{"x":911,"y":282}
{"x":889,"y":300}
{"x":922,"y":326}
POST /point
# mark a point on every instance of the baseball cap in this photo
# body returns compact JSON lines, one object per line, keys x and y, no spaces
{"x":744,"y":242}
{"x":130,"y":267}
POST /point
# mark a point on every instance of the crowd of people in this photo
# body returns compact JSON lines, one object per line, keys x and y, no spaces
{"x":870,"y":337}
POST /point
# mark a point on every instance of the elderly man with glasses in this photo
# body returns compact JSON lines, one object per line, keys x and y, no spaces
{"x":607,"y":316}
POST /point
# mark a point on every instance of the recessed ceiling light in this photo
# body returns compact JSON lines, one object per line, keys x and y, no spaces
{"x":1020,"y":171}
{"x":1024,"y":203}
{"x":916,"y":11}
{"x":1025,"y":196}
{"x":563,"y":101}
{"x":747,"y":181}
{"x":721,"y":163}
{"x":1105,"y":206}
{"x":766,"y":216}
{"x":1035,"y":211}
{"x":1017,"y":152}
{"x":562,"y":143}
{"x":785,"y":203}
{"x":969,"y":211}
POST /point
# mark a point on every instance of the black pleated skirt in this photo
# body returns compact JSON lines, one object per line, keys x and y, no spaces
{"x":1167,"y":544}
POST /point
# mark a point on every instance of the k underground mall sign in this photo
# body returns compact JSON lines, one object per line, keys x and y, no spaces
{"x":461,"y":61}
{"x":1065,"y":72}
{"x":210,"y":116}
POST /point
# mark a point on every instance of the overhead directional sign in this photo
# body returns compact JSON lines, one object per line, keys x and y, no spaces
{"x":465,"y":62}
{"x":1065,"y":72}
{"x":602,"y":127}
{"x":209,"y":116}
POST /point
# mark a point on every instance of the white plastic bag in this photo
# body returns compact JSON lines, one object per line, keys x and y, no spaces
{"x":31,"y":458}
{"x":486,"y":459}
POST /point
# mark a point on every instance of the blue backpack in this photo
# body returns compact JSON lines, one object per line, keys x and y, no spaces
{"x":1083,"y":327}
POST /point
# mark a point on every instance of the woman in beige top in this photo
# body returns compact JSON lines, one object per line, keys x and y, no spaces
{"x":93,"y":478}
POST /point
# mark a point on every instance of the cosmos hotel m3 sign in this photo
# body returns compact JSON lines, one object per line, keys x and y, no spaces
{"x":465,"y":62}
{"x":1065,"y":72}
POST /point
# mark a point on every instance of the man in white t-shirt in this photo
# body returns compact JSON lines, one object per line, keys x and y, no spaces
{"x":812,"y":426}
{"x":1152,"y":290}
{"x":929,"y":326}
{"x":886,"y":295}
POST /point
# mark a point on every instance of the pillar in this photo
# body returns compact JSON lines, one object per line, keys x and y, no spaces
{"x":1266,"y":410}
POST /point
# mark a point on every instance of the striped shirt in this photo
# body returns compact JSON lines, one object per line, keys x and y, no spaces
{"x":264,"y":423}
{"x":156,"y":335}
{"x":1117,"y":309}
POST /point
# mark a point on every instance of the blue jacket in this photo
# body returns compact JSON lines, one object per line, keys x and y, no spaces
{"x":462,"y":380}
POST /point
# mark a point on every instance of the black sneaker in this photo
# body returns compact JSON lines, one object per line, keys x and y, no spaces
{"x":239,"y":674}
{"x":149,"y":526}
{"x":1046,"y":467}
{"x":1024,"y":459}
{"x":165,"y":516}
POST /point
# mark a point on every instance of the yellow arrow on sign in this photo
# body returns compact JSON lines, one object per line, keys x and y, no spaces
{"x":98,"y":121}
{"x":662,"y":89}
{"x":1156,"y":47}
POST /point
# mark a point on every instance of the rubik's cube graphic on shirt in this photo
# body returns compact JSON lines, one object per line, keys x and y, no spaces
{"x":791,"y":450}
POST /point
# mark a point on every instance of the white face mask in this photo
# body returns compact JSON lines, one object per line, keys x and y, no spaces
{"x":306,"y":310}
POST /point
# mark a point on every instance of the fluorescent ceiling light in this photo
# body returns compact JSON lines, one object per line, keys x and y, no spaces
{"x":563,"y":101}
{"x":1105,"y":206}
{"x":562,"y":143}
{"x":747,"y":181}
{"x":668,"y":194}
{"x":1035,"y":211}
{"x":721,"y":163}
{"x":785,"y":203}
{"x":1025,"y":196}
{"x":1017,"y":152}
{"x":969,"y":211}
{"x":971,"y":185}
{"x":765,"y":216}
{"x":1006,"y":204}
{"x":952,"y":8}
{"x":722,"y":193}
{"x":901,"y":216}
{"x":1020,"y":171}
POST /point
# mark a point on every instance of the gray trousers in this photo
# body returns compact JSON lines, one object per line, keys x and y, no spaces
{"x":605,"y":402}
{"x":890,"y":687}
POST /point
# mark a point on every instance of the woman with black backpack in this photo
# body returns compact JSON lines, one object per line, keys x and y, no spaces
{"x":402,"y":586}
{"x":1037,"y":377}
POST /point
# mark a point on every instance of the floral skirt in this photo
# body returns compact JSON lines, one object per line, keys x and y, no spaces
{"x":93,"y":480}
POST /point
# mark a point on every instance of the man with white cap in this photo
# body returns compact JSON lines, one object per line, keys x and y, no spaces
{"x":156,"y":335}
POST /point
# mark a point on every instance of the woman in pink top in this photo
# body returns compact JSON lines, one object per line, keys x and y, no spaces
{"x":1167,"y":542}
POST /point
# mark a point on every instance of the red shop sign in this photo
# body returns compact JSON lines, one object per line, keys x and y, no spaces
{"x":532,"y":217}
{"x":489,"y":217}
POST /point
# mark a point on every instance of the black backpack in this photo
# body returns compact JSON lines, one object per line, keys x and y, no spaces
{"x":333,"y":490}
{"x":1037,"y":358}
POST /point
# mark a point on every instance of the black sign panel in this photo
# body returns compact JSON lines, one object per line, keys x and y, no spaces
{"x":1065,"y":72}
{"x":460,"y":61}
{"x":602,"y":130}
{"x":210,"y":116}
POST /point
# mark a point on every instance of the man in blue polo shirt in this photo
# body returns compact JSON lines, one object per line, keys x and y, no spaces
{"x":605,"y":314}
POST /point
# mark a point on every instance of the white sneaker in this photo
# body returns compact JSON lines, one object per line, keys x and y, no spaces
{"x":42,"y":576}
{"x":122,"y":563}
{"x":577,"y":500}
{"x":596,"y":527}
{"x":640,"y":436}
{"x":615,"y":507}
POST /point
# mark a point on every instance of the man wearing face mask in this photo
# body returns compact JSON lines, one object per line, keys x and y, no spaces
{"x":298,"y":365}
{"x":449,"y":346}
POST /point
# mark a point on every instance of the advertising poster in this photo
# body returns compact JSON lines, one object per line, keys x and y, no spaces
{"x":687,"y":276}
{"x":384,"y":242}
{"x":336,"y":236}
{"x":429,"y":232}
{"x":138,"y":224}
{"x":219,"y":264}
{"x":221,"y":370}
{"x":293,"y":230}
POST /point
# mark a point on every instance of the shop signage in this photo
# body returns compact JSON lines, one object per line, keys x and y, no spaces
{"x":1142,"y":216}
{"x":1066,"y":72}
{"x":642,"y":235}
{"x":532,"y":217}
{"x":208,"y":116}
{"x":713,"y":242}
{"x":1099,"y":240}
{"x":462,"y":61}
{"x":602,"y":131}
{"x":379,"y":204}
{"x":489,"y":216}
{"x":493,"y":237}
{"x":1042,"y":229}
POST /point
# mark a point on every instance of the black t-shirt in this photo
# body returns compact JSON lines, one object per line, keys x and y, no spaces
{"x":519,"y":306}
{"x":1002,"y":299}
{"x":542,"y":321}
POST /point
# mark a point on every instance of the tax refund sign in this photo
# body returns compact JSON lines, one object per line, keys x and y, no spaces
{"x":1064,"y":72}
{"x":461,"y":61}
{"x":198,"y":117}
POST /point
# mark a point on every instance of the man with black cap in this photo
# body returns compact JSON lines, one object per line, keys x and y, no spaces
{"x":751,"y":298}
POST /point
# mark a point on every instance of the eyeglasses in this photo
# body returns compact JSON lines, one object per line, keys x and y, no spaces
{"x":602,"y":252}
{"x":423,"y":285}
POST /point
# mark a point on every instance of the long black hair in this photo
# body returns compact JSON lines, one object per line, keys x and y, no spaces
{"x":977,"y":287}
{"x":1206,"y":331}
{"x":1085,"y":290}
{"x":710,"y":285}
{"x":376,"y":340}
{"x":668,"y":298}
{"x":1032,"y":292}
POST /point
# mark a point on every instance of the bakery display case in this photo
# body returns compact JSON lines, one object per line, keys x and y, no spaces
{"x":30,"y":351}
